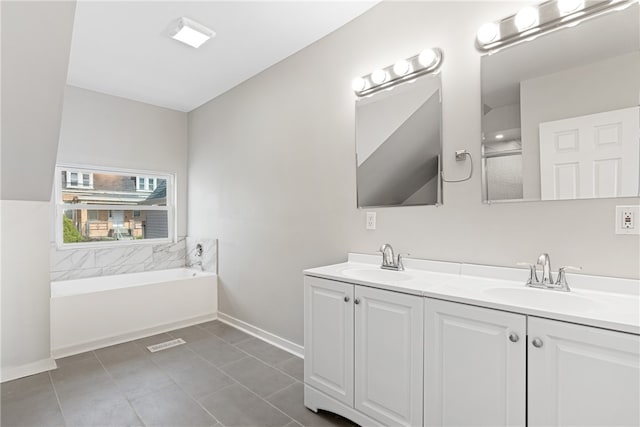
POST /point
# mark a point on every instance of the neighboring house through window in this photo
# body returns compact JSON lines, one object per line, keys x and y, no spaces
{"x":96,"y":206}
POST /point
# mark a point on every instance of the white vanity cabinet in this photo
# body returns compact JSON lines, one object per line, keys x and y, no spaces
{"x":363,"y":348}
{"x":475,"y":366}
{"x":582,"y":376}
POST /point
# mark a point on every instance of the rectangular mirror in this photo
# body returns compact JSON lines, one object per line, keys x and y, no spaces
{"x":560,"y":115}
{"x":399,"y":145}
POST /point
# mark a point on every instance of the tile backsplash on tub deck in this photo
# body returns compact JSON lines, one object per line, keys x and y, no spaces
{"x":209,"y":253}
{"x":87,"y":262}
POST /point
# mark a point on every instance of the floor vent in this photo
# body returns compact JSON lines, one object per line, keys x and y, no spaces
{"x":165,"y":345}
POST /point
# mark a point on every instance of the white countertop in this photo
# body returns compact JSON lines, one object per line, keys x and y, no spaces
{"x":604,"y":302}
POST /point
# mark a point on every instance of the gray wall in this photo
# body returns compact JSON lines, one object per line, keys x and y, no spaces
{"x":105,"y":130}
{"x":272,"y":175}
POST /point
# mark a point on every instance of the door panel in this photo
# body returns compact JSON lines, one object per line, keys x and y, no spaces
{"x":474,"y":373}
{"x":328,"y":335}
{"x":389,"y":357}
{"x":582,"y":376}
{"x":596,"y":155}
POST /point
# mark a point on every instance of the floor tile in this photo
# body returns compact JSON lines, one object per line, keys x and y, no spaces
{"x":99,"y":406}
{"x":257,"y":376}
{"x":293,"y":367}
{"x":291,"y":402}
{"x":75,"y":377}
{"x":235,"y":406}
{"x":264,"y":351}
{"x":200,"y":378}
{"x":171,"y":407}
{"x":30,"y":401}
{"x":190,"y":334}
{"x":217,"y":351}
{"x":139,"y":377}
{"x":120,"y":354}
{"x":75,"y":358}
{"x":225,"y":332}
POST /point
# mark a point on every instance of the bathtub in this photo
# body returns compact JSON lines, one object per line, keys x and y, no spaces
{"x":96,"y":312}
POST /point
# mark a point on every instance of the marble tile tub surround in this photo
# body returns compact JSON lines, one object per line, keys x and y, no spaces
{"x":88,"y":262}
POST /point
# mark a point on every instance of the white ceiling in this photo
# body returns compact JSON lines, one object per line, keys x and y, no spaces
{"x":122,"y":48}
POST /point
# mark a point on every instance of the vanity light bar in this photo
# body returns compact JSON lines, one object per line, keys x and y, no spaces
{"x":427,"y":61}
{"x":533,"y":21}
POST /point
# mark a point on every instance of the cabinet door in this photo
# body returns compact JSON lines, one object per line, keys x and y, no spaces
{"x":328,"y":337}
{"x":582,"y":376}
{"x":388,"y":361}
{"x":475,"y":366}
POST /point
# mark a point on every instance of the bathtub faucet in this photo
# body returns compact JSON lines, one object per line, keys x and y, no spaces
{"x":199,"y":251}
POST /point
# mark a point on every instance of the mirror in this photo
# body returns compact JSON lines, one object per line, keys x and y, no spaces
{"x":560,"y":113}
{"x":398,"y":145}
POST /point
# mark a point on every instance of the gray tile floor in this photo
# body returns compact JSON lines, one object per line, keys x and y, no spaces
{"x":221,"y":377}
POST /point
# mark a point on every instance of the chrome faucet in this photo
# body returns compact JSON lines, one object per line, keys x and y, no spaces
{"x":389,"y":261}
{"x":545,"y":262}
{"x":547,"y":278}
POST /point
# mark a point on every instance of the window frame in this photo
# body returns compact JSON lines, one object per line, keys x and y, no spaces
{"x":60,"y":207}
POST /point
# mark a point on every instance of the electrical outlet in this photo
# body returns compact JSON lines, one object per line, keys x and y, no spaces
{"x":627,"y":219}
{"x":371,"y":221}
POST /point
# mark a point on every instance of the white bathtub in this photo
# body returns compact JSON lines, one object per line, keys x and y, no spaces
{"x":91,"y":313}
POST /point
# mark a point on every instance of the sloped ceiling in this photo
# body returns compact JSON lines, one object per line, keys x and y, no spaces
{"x":124,"y":48}
{"x":36,"y":41}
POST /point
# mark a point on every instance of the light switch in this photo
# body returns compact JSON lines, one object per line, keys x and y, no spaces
{"x":371,"y":220}
{"x":627,"y":219}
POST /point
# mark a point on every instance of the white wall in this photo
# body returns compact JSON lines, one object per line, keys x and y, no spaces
{"x":36,"y":41}
{"x":105,"y":130}
{"x":272,"y":172}
{"x":25,"y":288}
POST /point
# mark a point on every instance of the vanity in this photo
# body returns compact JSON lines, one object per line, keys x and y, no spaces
{"x":450,"y":344}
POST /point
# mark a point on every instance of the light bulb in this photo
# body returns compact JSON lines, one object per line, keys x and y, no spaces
{"x":378,"y":76}
{"x":499,"y":136}
{"x":568,"y":6}
{"x":401,"y":67}
{"x":359,"y":84}
{"x":427,"y":57}
{"x":526,"y":18}
{"x":488,"y":32}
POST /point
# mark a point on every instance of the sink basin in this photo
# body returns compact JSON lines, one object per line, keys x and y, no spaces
{"x":376,"y":275}
{"x":542,"y":298}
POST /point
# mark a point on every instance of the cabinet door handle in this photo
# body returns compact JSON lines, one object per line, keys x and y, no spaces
{"x":356,"y":301}
{"x":537,"y":342}
{"x":346,"y":298}
{"x":513,"y":337}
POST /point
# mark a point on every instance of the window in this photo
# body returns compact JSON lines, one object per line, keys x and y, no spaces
{"x":97,"y":206}
{"x":144,"y":183}
{"x":77,"y":179}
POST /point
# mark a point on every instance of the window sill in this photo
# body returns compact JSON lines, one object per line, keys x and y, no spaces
{"x":111,"y":245}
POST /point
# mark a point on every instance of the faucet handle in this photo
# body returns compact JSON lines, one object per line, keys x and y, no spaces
{"x":533,"y":276}
{"x":399,"y":261}
{"x":562,"y":277}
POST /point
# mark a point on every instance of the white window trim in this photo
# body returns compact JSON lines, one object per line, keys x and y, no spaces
{"x":172,"y":221}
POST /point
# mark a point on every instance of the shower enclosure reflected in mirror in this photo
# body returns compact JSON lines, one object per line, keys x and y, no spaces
{"x":399,"y":145}
{"x":560,"y":113}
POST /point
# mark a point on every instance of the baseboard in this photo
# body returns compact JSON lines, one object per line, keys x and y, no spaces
{"x":273,"y":339}
{"x":118,"y":339}
{"x":15,"y":372}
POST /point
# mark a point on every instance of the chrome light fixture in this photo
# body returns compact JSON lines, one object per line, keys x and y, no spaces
{"x":192,"y":33}
{"x":403,"y":70}
{"x":535,"y":20}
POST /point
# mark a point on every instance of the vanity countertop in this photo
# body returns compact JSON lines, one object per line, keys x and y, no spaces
{"x":604,"y":302}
